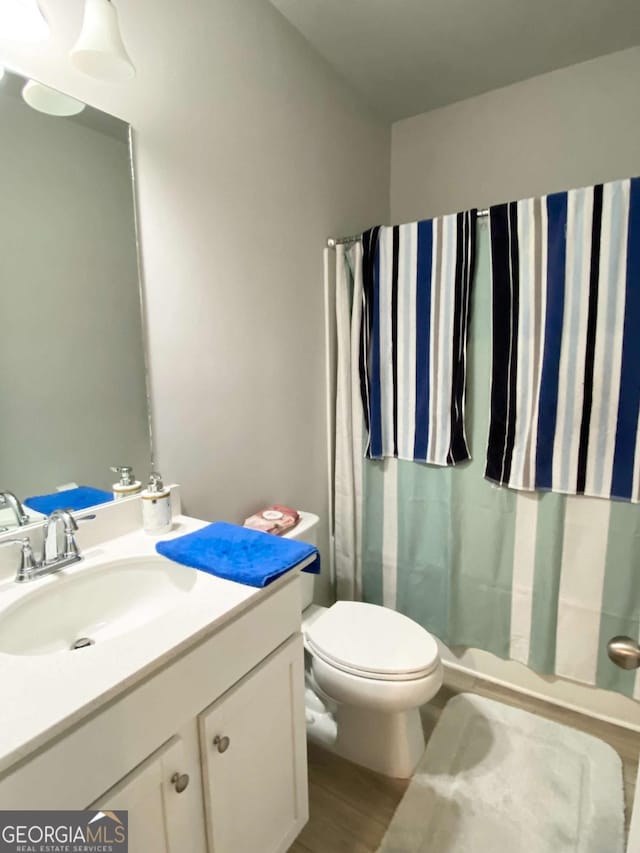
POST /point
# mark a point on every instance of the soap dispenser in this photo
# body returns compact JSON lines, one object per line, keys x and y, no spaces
{"x":127,"y":485}
{"x":156,"y":506}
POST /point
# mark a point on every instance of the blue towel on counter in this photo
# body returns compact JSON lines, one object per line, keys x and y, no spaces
{"x":239,"y":554}
{"x":76,"y":499}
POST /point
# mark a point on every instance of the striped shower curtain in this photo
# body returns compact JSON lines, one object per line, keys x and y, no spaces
{"x":543,"y":579}
{"x":566,"y":338}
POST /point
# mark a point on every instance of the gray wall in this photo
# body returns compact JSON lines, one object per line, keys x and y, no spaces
{"x":235,"y":213}
{"x":72,"y":387}
{"x":570,"y":128}
{"x":250,"y":152}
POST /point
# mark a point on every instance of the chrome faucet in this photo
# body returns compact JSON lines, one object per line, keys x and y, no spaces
{"x":9,"y":500}
{"x":70,"y":554}
{"x":30,"y":568}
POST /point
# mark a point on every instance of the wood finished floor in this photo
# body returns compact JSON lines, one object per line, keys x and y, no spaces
{"x":351,"y":808}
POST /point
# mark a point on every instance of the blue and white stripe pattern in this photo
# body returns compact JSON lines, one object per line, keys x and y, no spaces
{"x":565,"y":396}
{"x":413,"y":343}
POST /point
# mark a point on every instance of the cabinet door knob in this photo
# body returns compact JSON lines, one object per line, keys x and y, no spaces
{"x":180,"y":781}
{"x":222,"y":743}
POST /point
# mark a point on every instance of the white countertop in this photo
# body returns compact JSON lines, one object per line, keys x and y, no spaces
{"x":43,"y":695}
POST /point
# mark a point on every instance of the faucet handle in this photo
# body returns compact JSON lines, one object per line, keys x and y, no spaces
{"x":70,"y":544}
{"x":24,"y":541}
{"x":27,"y":560}
{"x":66,"y":516}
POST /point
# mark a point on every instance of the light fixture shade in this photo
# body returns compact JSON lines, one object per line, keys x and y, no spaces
{"x":100,"y":52}
{"x":22,"y":20}
{"x":50,"y":101}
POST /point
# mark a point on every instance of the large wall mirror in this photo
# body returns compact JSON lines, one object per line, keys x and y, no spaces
{"x":73,"y":390}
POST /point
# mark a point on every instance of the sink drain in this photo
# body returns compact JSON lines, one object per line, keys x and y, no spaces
{"x":82,"y":643}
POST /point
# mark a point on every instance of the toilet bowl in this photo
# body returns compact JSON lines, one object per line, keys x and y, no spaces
{"x":371,"y":669}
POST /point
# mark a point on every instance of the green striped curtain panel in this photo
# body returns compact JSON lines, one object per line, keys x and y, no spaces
{"x":541,"y":578}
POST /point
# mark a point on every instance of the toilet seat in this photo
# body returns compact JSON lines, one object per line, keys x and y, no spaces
{"x":373,"y":642}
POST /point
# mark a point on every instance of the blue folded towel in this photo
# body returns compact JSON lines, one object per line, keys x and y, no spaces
{"x":76,"y":499}
{"x":239,"y":554}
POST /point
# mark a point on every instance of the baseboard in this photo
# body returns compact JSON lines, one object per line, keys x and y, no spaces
{"x":461,"y":678}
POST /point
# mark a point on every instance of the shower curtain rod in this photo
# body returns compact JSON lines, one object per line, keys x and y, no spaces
{"x":332,"y":242}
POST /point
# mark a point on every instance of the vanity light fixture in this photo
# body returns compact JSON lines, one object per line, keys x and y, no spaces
{"x":100,"y":51}
{"x":22,"y":20}
{"x":47,"y":100}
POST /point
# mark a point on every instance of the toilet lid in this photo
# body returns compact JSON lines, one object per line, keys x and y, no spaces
{"x":373,"y":641}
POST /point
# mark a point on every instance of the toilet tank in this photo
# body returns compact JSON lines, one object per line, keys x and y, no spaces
{"x":306,"y":530}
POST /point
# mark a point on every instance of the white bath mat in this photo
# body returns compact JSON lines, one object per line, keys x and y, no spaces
{"x":495,"y":779}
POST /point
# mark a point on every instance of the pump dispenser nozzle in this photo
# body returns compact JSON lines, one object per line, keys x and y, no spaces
{"x":127,"y":484}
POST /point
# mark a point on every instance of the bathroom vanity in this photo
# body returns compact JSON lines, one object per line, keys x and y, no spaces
{"x":187,"y":708}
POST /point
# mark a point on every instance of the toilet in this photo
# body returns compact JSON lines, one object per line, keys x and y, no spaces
{"x":369,"y":669}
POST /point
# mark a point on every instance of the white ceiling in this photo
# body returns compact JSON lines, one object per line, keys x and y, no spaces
{"x":409,"y":56}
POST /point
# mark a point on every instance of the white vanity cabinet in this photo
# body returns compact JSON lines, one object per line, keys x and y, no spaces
{"x":253,"y":744}
{"x":227,"y":712}
{"x":160,"y":799}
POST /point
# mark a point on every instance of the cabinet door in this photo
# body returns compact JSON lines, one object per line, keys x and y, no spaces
{"x":159,"y":816}
{"x":254,"y":758}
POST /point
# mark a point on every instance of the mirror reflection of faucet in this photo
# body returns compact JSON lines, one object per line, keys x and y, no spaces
{"x":53,"y":558}
{"x":9,"y":501}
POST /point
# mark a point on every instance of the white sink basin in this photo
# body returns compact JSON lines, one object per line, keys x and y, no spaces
{"x":95,"y":604}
